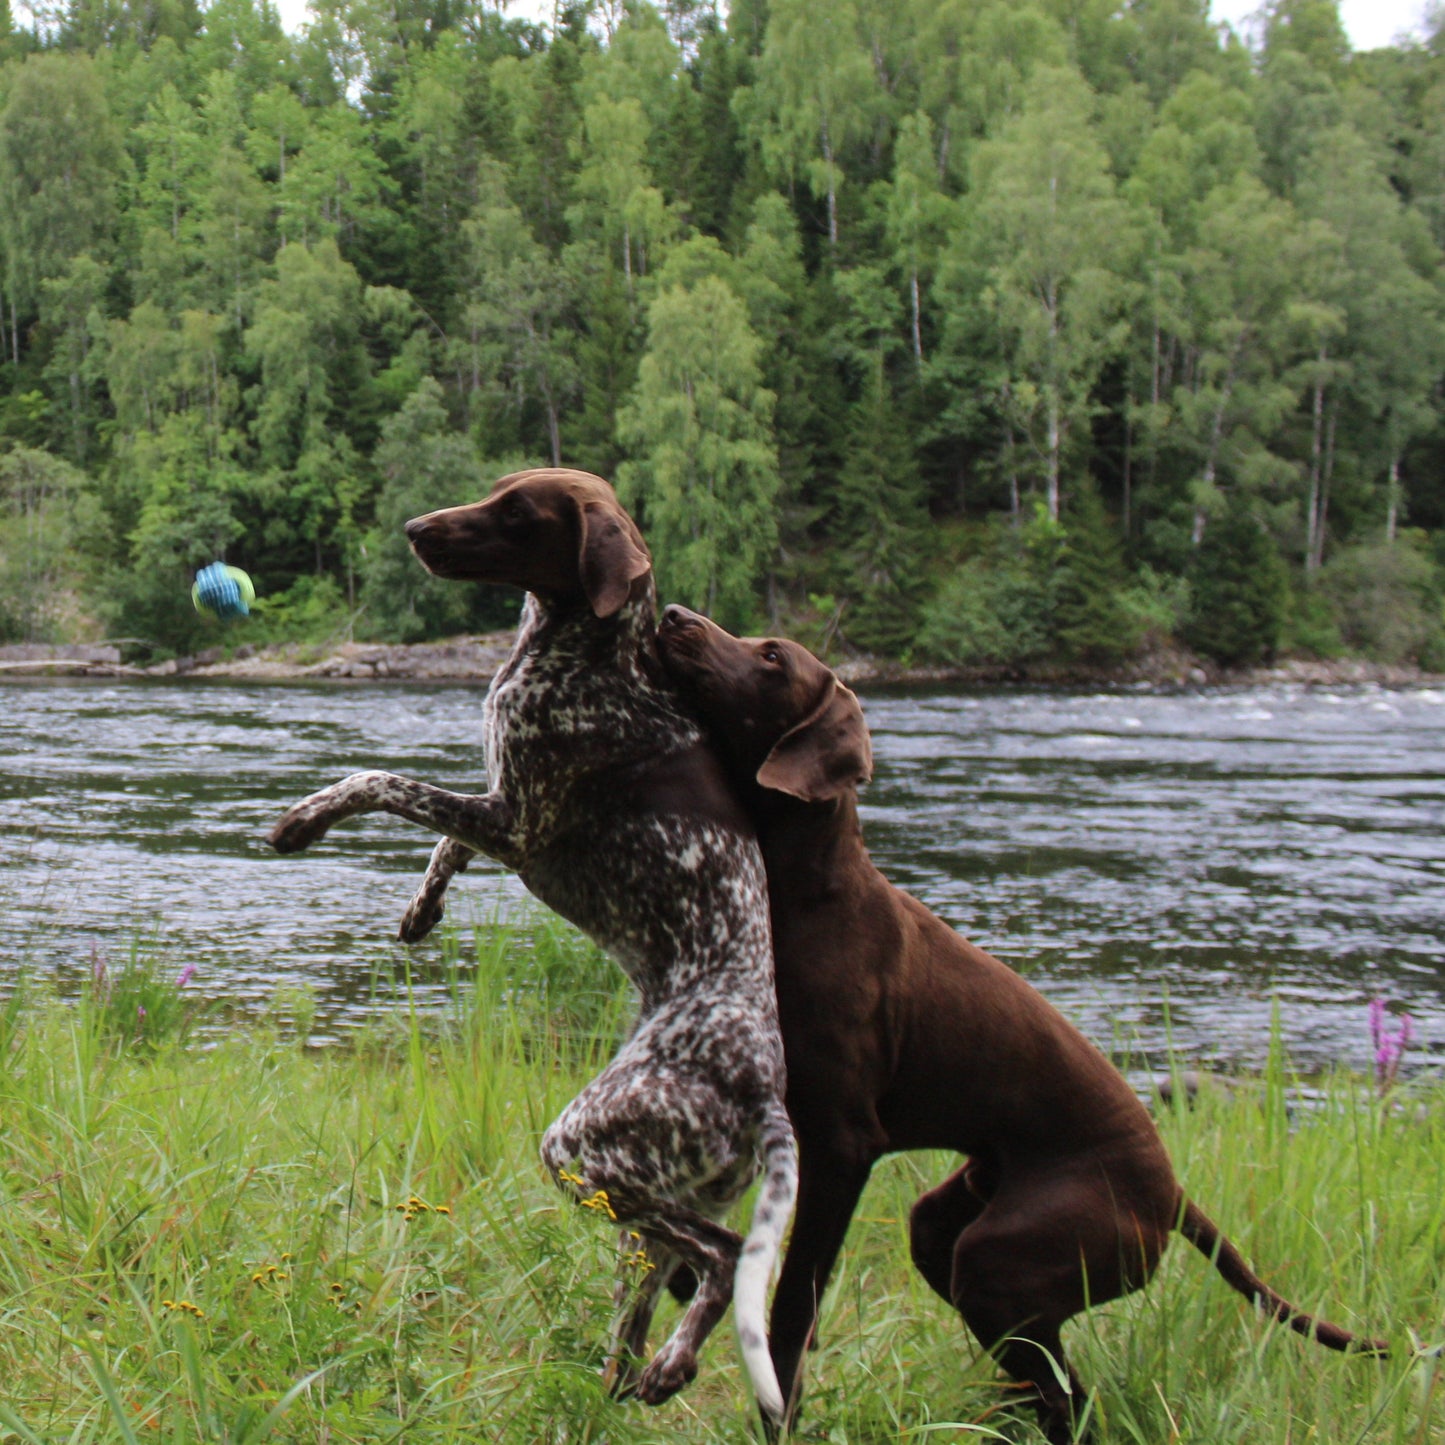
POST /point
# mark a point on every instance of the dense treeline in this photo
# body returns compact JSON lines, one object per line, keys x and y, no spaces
{"x":972,"y":330}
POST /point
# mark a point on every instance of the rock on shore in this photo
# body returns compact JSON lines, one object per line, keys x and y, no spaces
{"x":463,"y":659}
{"x":475,"y":658}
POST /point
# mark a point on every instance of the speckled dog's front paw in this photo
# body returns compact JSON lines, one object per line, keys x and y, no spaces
{"x":299,"y":827}
{"x":423,"y":913}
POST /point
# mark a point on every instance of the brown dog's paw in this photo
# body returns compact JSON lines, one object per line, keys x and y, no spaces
{"x":671,"y":1370}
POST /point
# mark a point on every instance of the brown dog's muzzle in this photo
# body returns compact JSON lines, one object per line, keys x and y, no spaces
{"x":683,"y":635}
{"x":678,"y":621}
{"x":421,"y":532}
{"x":455,"y":542}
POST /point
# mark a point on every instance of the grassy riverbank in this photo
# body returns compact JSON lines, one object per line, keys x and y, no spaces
{"x":236,"y":1239}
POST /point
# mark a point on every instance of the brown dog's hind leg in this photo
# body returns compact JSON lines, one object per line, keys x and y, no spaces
{"x":936,"y":1221}
{"x":1043,"y":1249}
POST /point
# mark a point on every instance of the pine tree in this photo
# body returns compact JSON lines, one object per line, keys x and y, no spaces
{"x":1239,"y":590}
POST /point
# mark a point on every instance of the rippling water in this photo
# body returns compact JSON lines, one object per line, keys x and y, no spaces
{"x":1157,"y":863}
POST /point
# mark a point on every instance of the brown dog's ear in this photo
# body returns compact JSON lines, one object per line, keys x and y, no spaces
{"x":825,"y":754}
{"x":613,"y":558}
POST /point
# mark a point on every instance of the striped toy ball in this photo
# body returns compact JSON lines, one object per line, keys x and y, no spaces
{"x":222,"y":591}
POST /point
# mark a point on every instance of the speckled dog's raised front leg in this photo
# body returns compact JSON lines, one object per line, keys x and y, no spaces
{"x":481,"y":822}
{"x":428,"y":903}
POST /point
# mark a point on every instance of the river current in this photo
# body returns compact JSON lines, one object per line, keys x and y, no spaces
{"x":1164,"y":866}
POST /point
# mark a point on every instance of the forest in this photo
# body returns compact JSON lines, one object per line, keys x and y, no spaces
{"x":1002,"y":333}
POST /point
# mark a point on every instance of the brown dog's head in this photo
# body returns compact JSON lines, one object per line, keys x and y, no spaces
{"x":558,"y":533}
{"x":779,"y":715}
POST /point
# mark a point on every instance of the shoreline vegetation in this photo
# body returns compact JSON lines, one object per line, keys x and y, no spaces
{"x":474,"y":658}
{"x":1006,"y":339}
{"x":220,"y":1235}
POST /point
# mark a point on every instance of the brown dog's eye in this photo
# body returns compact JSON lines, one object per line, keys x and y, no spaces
{"x":772,"y":655}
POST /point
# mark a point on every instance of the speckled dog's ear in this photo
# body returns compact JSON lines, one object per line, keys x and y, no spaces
{"x":613,"y":557}
{"x":824,"y":755}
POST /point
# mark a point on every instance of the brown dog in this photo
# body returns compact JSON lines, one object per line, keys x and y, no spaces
{"x":900,"y":1034}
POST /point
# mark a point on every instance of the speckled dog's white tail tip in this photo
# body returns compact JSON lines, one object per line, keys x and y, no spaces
{"x":776,"y":1197}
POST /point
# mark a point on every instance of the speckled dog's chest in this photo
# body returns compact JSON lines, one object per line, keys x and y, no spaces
{"x":567,"y":740}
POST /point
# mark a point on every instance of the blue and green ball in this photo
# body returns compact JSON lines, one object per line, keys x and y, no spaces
{"x":222,"y":591}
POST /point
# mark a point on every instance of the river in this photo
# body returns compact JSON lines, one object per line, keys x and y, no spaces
{"x":1162,"y":865}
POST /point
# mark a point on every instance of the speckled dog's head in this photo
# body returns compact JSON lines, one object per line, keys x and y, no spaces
{"x":557,"y":533}
{"x":780,"y":716}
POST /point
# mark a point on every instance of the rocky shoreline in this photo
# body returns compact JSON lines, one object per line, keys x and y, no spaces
{"x":473,"y":659}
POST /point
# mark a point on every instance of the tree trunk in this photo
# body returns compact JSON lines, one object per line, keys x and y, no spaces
{"x":1128,"y":462}
{"x":1155,"y":390}
{"x":1216,"y":435}
{"x":1312,"y":502}
{"x":554,"y":432}
{"x":1055,"y":423}
{"x":917,"y":325}
{"x":1326,"y":474}
{"x":832,"y":191}
{"x":1055,"y":443}
{"x":1392,"y":500}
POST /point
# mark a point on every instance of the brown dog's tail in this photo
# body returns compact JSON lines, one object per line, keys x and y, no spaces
{"x":1206,"y":1236}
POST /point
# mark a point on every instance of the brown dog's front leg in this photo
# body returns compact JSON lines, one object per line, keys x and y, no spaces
{"x":828,"y":1191}
{"x":481,"y":822}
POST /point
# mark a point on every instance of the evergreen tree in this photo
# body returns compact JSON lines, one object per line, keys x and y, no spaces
{"x":1239,"y":590}
{"x":424,"y":464}
{"x":1090,"y":621}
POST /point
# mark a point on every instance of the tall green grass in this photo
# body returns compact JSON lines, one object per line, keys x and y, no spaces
{"x":252,"y":1241}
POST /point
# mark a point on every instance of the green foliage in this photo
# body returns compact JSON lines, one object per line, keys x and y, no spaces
{"x":425,"y":465}
{"x":47,"y":518}
{"x":978,"y":255}
{"x":1389,"y":601}
{"x":705,"y":474}
{"x":998,"y":608}
{"x":1239,"y":590}
{"x":60,"y":162}
{"x":1092,"y":622}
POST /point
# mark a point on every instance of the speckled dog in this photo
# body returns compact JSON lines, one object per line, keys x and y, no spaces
{"x":612,"y":808}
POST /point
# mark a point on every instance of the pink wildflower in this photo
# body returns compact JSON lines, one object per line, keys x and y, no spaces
{"x":1388,"y":1050}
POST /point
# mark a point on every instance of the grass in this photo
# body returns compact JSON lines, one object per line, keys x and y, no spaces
{"x":241,"y":1240}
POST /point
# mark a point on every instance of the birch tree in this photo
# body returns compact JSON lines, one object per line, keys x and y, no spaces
{"x":703,"y":474}
{"x":1045,"y":247}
